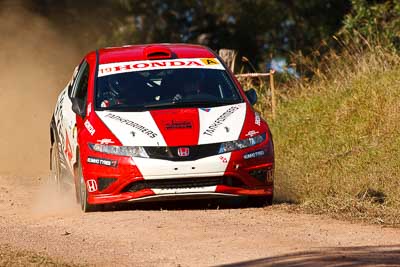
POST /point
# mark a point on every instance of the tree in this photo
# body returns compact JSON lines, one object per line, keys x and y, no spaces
{"x":372,"y":21}
{"x":256,"y":28}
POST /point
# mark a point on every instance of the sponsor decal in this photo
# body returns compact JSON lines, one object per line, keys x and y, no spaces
{"x":68,"y":150}
{"x":206,"y":109}
{"x":59,"y":117}
{"x":223,"y":159}
{"x":211,"y":129}
{"x":183,"y":152}
{"x":89,"y":127}
{"x":252,"y":133}
{"x":257,"y":119}
{"x":209,"y":61}
{"x":91,"y":185}
{"x":134,"y":125}
{"x":101,"y":161}
{"x":105,"y":141}
{"x":178,"y":125}
{"x":254,"y":154}
{"x":161,"y":191}
{"x":89,"y":108}
{"x":131,"y":66}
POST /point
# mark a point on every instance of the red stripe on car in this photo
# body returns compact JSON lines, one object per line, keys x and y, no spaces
{"x":179,"y":127}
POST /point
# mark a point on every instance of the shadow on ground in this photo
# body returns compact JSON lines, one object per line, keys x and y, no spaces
{"x":345,"y":256}
{"x":199,"y":204}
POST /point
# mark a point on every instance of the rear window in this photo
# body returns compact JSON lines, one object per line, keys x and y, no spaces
{"x":161,"y":88}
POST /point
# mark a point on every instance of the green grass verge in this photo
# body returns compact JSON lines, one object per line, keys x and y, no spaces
{"x":12,"y":257}
{"x":337,"y":143}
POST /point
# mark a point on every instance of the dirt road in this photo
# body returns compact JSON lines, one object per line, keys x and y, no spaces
{"x":32,"y":218}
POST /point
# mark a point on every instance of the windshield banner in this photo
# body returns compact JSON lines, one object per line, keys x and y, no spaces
{"x":131,"y":66}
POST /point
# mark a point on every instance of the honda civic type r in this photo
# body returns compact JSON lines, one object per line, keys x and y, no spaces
{"x":157,"y":122}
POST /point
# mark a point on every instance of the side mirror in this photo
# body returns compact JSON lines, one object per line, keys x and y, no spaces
{"x":252,"y":96}
{"x":78,"y":107}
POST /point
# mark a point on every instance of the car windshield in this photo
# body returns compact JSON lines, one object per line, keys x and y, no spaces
{"x":152,"y":89}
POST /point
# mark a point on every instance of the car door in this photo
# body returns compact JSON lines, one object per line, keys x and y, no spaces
{"x":77,"y":90}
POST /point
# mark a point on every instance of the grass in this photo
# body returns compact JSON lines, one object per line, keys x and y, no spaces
{"x":13,"y":257}
{"x":337,"y":138}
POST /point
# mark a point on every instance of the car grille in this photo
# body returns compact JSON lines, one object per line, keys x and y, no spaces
{"x":181,"y":183}
{"x":171,"y":152}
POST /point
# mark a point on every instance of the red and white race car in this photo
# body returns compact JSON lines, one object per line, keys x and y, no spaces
{"x":155,"y":122}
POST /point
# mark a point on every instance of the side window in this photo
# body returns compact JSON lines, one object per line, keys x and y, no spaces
{"x":79,"y":89}
{"x":72,"y":81}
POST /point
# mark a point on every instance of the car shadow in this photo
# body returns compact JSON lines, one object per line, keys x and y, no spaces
{"x":188,"y":204}
{"x":343,"y":256}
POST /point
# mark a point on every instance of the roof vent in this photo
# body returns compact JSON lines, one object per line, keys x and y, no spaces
{"x":157,"y":52}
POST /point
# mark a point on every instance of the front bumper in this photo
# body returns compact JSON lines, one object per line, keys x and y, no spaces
{"x":220,"y":190}
{"x":230,"y":174}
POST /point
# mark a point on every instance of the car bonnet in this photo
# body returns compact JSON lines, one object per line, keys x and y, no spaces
{"x":177,"y":126}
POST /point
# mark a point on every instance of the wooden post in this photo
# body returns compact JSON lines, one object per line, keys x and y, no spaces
{"x":229,"y":56}
{"x":273,"y":96}
{"x":272,"y":87}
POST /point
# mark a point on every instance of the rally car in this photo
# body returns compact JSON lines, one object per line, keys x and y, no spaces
{"x":157,"y":122}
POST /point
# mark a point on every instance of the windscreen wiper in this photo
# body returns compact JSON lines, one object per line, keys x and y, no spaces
{"x":197,"y":103}
{"x":163,"y":104}
{"x":210,"y":103}
{"x":125,"y":107}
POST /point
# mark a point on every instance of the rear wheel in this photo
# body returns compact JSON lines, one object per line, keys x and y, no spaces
{"x":55,"y":175}
{"x":83,"y":195}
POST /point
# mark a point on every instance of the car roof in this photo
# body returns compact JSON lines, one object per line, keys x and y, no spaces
{"x":139,"y":52}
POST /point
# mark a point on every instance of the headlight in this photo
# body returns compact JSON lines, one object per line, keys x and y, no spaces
{"x":240,"y":144}
{"x":129,"y":151}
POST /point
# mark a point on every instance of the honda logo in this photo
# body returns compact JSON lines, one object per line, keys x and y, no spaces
{"x":91,"y":185}
{"x":183,"y":152}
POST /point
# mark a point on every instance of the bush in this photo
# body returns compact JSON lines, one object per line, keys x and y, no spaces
{"x":372,"y":22}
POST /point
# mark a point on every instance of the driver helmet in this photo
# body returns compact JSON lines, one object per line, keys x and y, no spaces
{"x":116,"y":91}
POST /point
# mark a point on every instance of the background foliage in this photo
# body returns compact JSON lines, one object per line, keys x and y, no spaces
{"x":379,"y":22}
{"x":258,"y":29}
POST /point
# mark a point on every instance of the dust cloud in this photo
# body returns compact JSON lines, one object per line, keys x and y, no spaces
{"x":47,"y":200}
{"x":36,"y":61}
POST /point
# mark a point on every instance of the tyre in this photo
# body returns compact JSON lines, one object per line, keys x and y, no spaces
{"x":83,"y":195}
{"x":55,"y":178}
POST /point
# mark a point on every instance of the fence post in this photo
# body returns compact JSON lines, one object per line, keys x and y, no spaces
{"x":273,"y":96}
{"x":229,"y":56}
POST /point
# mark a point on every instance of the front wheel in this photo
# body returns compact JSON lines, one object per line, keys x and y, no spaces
{"x":85,"y":206}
